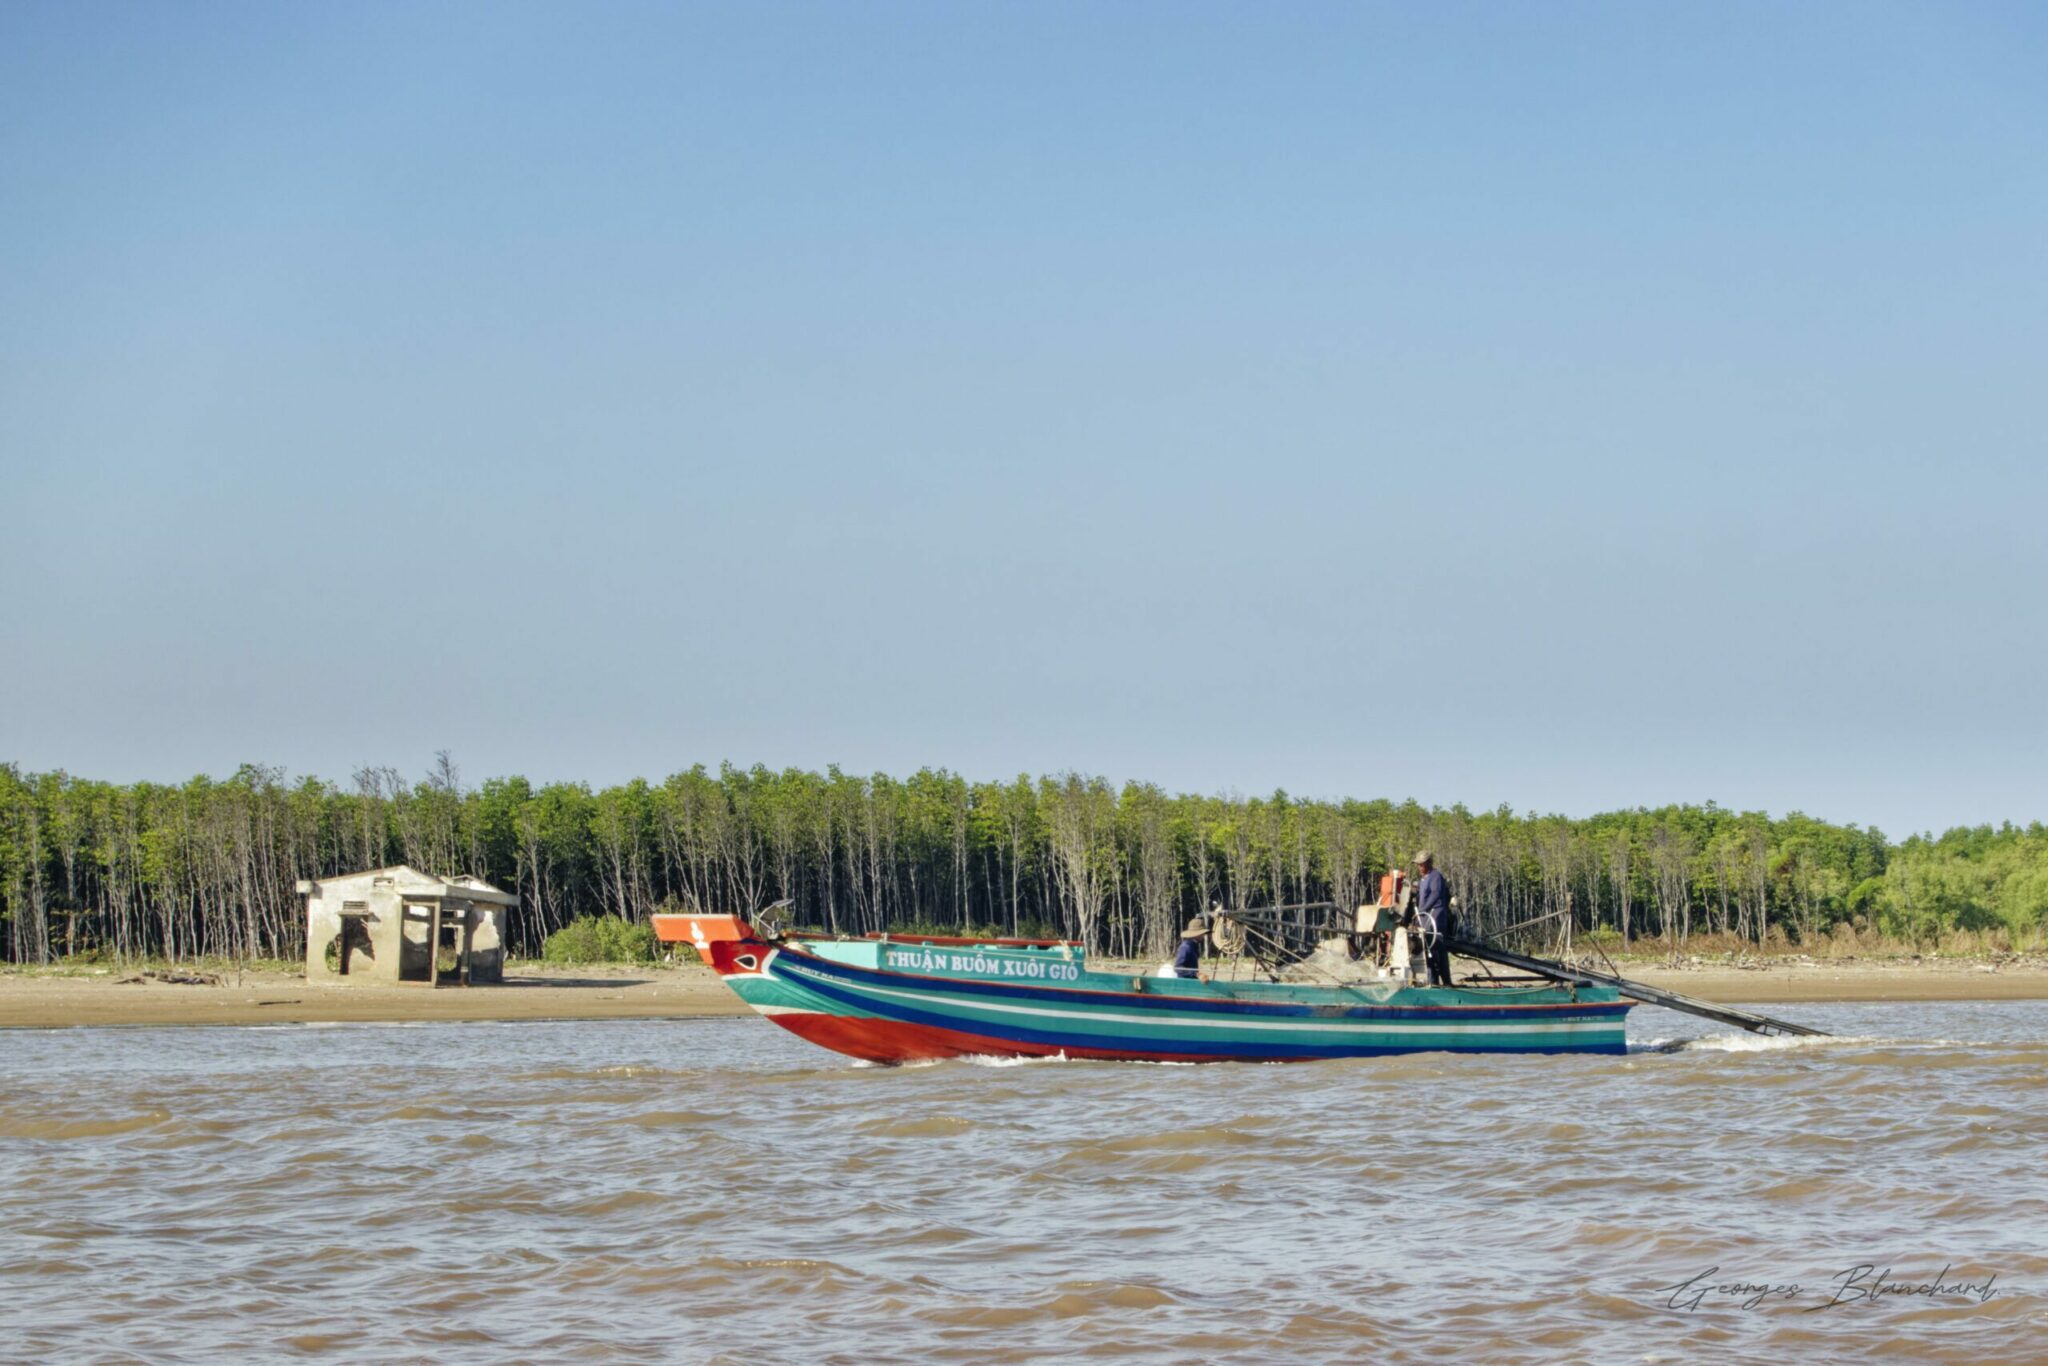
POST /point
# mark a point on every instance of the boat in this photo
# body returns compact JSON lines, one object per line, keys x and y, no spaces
{"x":912,"y":998}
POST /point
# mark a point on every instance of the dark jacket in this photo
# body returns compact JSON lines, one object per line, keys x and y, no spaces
{"x":1188,"y":957}
{"x":1433,"y":896}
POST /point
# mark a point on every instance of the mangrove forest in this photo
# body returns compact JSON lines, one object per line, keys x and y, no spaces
{"x":207,"y":868}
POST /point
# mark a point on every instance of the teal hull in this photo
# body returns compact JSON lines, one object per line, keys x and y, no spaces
{"x":899,"y":1016}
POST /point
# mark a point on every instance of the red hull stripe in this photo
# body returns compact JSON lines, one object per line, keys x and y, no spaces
{"x":892,"y":1041}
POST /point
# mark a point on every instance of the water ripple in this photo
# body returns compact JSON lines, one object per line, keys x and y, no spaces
{"x":715,"y":1190}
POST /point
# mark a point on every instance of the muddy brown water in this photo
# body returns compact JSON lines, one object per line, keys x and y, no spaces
{"x":715,"y":1190}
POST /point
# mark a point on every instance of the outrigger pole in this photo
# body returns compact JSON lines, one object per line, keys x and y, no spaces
{"x":1562,"y":972}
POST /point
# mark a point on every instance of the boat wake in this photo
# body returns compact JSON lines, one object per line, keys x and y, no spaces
{"x":1760,"y":1043}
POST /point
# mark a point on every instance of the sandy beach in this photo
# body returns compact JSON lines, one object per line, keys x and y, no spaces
{"x":127,"y":997}
{"x":597,"y":993}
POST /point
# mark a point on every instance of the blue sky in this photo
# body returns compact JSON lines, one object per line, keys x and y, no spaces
{"x":1573,"y":406}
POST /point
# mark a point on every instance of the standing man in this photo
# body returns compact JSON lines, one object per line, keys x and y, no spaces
{"x":1433,"y":905}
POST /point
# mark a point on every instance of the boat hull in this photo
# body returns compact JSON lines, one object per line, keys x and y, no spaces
{"x":896,"y":1017}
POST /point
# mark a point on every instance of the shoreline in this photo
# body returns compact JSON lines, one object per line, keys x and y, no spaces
{"x":120,"y":997}
{"x":36,"y":1001}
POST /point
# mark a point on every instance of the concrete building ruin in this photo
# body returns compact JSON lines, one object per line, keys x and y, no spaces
{"x":391,"y":925}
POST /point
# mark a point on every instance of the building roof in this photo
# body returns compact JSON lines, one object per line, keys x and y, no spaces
{"x":462,"y":886}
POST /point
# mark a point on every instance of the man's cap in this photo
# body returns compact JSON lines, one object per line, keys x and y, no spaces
{"x":1197,"y":927}
{"x":1424,"y":857}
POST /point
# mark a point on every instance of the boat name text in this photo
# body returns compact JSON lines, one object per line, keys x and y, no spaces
{"x":926,"y":959}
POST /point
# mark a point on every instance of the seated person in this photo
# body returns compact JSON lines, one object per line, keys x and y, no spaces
{"x":1187,"y":958}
